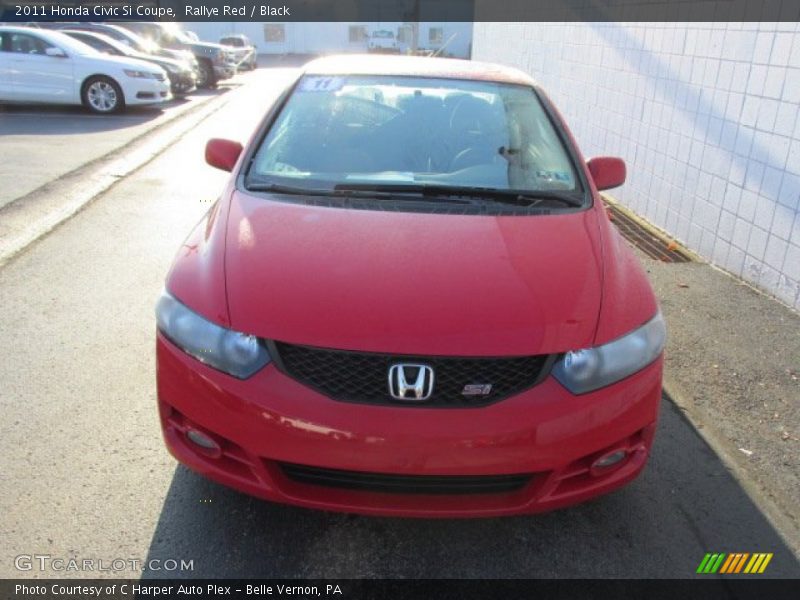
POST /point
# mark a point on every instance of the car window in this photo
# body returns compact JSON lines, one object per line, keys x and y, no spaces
{"x":149,"y":31}
{"x":95,"y":43}
{"x":336,"y":130}
{"x":176,"y":36}
{"x":22,"y":43}
{"x":132,"y":40}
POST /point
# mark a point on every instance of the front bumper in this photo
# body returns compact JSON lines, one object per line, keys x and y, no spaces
{"x":224,"y":71}
{"x":246,"y":58}
{"x":146,"y":91}
{"x":182,"y":83}
{"x":270,"y":421}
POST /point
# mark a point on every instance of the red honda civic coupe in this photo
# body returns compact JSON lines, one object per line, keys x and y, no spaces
{"x":409,"y":300}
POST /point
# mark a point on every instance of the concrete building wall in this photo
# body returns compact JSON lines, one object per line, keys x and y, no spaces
{"x":706,"y":117}
{"x":327,"y":38}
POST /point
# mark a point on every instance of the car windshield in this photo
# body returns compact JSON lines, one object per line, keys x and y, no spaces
{"x":335,"y":132}
{"x":179,"y":35}
{"x":135,"y":41}
{"x":69,"y":44}
{"x":101,"y":43}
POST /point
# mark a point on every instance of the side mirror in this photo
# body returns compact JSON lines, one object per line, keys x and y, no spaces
{"x":607,"y":172}
{"x":55,"y":52}
{"x":223,"y":154}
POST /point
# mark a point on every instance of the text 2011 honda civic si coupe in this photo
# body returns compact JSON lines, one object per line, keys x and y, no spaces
{"x":409,"y":300}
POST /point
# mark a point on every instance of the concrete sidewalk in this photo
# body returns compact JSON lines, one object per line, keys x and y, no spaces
{"x":733,"y":366}
{"x":26,"y":219}
{"x":43,"y":143}
{"x":60,"y":194}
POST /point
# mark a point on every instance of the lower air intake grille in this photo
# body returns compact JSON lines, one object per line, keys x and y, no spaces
{"x":363,"y":376}
{"x":405,"y":484}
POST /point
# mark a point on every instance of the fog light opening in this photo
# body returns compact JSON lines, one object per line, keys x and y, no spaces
{"x":609,"y":461}
{"x":203,"y":443}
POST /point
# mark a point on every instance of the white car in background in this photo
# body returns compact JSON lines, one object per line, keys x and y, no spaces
{"x":383,"y":40}
{"x":43,"y":66}
{"x":244,"y":51}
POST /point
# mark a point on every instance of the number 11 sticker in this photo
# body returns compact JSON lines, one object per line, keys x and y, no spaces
{"x":321,"y":84}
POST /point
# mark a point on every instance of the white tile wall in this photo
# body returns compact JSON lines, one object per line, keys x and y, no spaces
{"x":705,"y":115}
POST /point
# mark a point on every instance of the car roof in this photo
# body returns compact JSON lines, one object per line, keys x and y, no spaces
{"x":22,"y":29}
{"x":52,"y":35}
{"x":27,"y":29}
{"x":416,"y":66}
{"x":59,"y":38}
{"x":94,"y":34}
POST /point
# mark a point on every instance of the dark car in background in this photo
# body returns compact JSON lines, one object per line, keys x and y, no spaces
{"x":216,"y":62}
{"x":245,"y":51}
{"x":182,"y":78}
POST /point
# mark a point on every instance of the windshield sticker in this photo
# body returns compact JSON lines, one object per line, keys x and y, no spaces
{"x":321,"y":84}
{"x":383,"y":177}
{"x":553,"y":175}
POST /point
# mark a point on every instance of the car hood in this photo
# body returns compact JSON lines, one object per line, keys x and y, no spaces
{"x":208,"y":47}
{"x":122,"y":62}
{"x":165,"y":62}
{"x":179,"y":55}
{"x":412,"y":283}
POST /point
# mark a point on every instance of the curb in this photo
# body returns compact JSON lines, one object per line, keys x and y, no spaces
{"x":35,"y":214}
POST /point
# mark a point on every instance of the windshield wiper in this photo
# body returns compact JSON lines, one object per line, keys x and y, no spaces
{"x":533,"y":199}
{"x":344,"y":190}
{"x":280,"y":188}
{"x":427,"y":192}
{"x":526,"y":198}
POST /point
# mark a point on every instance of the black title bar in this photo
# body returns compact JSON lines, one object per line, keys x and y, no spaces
{"x":743,"y":588}
{"x":399,"y":10}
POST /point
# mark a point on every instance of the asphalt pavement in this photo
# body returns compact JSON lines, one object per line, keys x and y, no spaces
{"x":733,"y":364}
{"x":84,"y":472}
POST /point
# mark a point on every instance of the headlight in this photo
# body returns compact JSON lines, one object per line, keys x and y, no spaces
{"x":586,"y":370}
{"x":140,"y":74}
{"x":229,"y":351}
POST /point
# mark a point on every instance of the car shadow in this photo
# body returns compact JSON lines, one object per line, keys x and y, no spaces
{"x":222,"y":88}
{"x":48,"y":119}
{"x":685,"y":504}
{"x":66,"y":120}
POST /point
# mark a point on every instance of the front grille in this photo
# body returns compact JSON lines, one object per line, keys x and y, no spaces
{"x":405,"y":484}
{"x":363,"y":376}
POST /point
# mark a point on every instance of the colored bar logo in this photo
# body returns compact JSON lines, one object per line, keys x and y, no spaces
{"x":736,"y":562}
